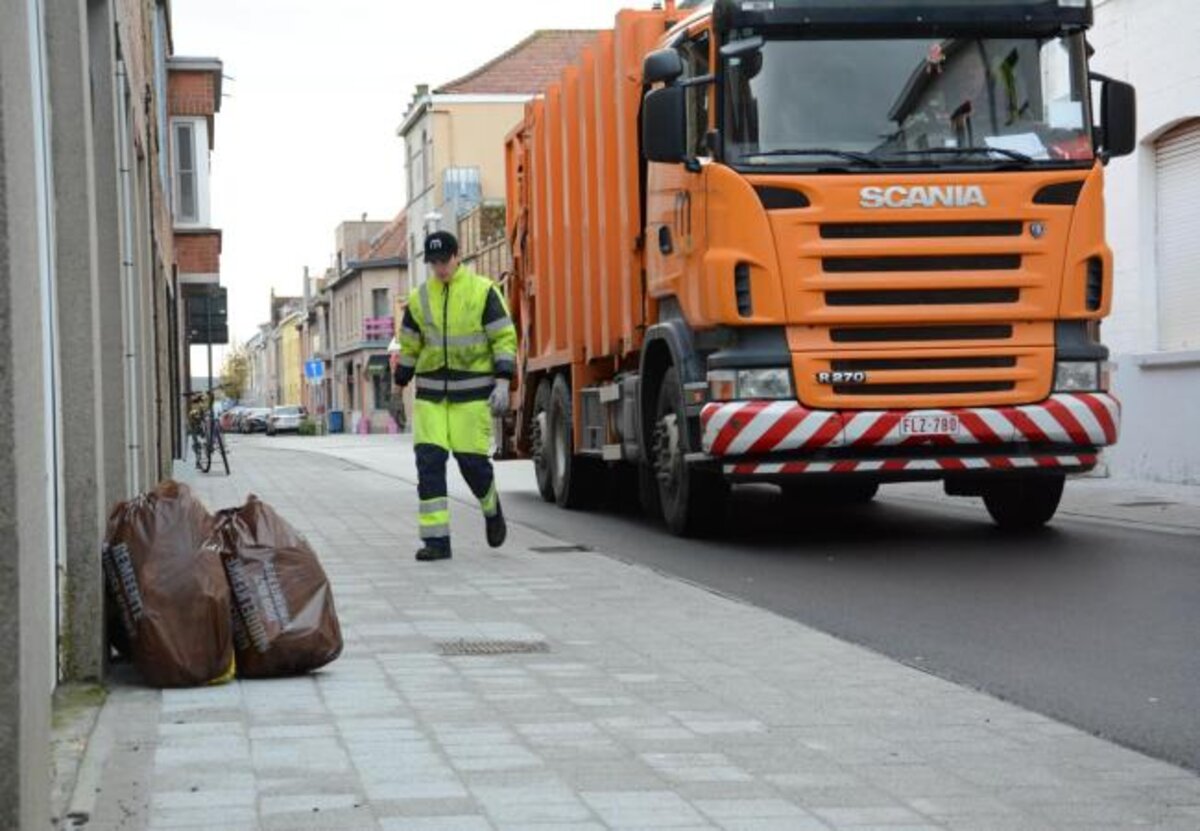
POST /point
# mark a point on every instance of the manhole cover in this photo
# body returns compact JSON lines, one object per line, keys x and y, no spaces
{"x":559,"y":549}
{"x":493,"y":647}
{"x":1146,"y":503}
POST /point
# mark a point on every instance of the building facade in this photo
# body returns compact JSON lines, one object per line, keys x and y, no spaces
{"x":291,"y":361}
{"x":1154,"y":229}
{"x":454,"y":135}
{"x":314,"y":343}
{"x":361,"y":299}
{"x":91,"y":352}
{"x":256,"y":362}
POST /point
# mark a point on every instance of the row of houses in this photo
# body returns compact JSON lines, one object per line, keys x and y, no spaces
{"x":105,"y":239}
{"x":325,"y":348}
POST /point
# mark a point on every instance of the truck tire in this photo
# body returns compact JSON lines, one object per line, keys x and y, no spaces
{"x":831,"y":493}
{"x":692,"y":501}
{"x":647,"y":491}
{"x":1023,"y":503}
{"x":540,"y":440}
{"x":573,"y":477}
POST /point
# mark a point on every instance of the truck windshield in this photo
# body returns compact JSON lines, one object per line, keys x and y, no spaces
{"x":959,"y":102}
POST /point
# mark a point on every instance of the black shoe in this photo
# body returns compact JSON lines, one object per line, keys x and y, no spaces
{"x":427,"y":554}
{"x":497,"y":528}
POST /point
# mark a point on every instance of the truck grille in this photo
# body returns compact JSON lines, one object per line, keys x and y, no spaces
{"x":910,"y":334}
{"x":897,"y":364}
{"x":926,"y":388}
{"x":953,"y":262}
{"x":922,"y":297}
{"x":916,"y":230}
{"x":936,"y":374}
{"x":930,"y":367}
{"x":938,"y":308}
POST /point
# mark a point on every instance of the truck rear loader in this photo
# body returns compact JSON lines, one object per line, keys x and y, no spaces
{"x":824,"y":244}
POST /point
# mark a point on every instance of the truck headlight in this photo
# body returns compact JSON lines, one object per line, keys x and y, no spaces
{"x":722,"y":385}
{"x":1081,"y":376}
{"x":742,"y":384}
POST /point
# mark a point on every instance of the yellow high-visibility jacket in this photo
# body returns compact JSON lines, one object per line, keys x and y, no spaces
{"x":456,"y":339}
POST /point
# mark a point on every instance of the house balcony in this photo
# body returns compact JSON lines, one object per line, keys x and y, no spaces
{"x":198,"y":255}
{"x":378,"y":330}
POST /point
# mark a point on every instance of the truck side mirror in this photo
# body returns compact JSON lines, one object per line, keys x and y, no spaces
{"x":664,"y":125}
{"x":1118,"y":117}
{"x":662,"y":67}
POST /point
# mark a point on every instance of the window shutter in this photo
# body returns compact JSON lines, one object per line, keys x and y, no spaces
{"x":1177,"y":162}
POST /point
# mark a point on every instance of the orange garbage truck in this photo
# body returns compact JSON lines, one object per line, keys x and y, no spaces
{"x":822,"y":244}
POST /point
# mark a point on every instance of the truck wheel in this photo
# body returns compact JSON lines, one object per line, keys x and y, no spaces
{"x":830,"y":493}
{"x":539,"y":439}
{"x":692,"y":501}
{"x":573,"y":477}
{"x":648,"y":492}
{"x":1024,"y":503}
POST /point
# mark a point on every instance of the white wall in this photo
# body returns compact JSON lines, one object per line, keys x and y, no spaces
{"x":1152,"y":44}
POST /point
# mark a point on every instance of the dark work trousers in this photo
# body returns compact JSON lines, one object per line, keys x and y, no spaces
{"x":476,"y":468}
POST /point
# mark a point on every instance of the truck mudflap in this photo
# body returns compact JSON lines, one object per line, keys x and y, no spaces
{"x":784,"y":437}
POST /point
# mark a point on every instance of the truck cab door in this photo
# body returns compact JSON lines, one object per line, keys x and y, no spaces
{"x":676,"y":209}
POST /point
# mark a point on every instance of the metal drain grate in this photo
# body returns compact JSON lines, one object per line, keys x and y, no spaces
{"x":469,"y":648}
{"x":560,"y":549}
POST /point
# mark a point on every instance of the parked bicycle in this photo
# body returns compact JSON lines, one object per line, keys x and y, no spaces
{"x":205,"y":431}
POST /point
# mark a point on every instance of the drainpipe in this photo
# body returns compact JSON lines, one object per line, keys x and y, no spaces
{"x":129,"y":292}
{"x":43,"y":162}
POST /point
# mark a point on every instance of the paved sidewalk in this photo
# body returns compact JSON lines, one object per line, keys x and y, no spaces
{"x":657,"y":705}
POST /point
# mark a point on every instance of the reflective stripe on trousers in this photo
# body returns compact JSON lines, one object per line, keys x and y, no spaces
{"x":465,"y":430}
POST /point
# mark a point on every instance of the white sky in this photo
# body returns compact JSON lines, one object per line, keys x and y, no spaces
{"x":306,"y":134}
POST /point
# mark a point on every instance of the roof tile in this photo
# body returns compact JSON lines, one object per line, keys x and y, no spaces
{"x":526,"y":68}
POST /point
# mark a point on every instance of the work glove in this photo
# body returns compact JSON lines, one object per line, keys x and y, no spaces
{"x":397,"y":377}
{"x":498,"y":400}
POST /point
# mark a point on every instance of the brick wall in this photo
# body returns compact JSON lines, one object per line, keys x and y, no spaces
{"x":191,"y":93}
{"x":198,"y":253}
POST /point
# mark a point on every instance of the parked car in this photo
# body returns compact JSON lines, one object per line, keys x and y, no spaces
{"x":255,"y":420}
{"x":285,"y":419}
{"x":229,"y":418}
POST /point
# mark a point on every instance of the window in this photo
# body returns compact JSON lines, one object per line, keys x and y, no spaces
{"x":379,"y":303}
{"x":382,"y":387}
{"x":408,"y":170}
{"x":929,"y":101}
{"x":426,"y":175}
{"x":1177,"y":165}
{"x":187,"y":184}
{"x":696,"y":62}
{"x":461,"y":188}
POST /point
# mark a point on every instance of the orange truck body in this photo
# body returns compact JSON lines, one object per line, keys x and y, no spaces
{"x":951,"y":311}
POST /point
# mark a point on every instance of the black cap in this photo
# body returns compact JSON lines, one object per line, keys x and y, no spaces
{"x":440,"y":245}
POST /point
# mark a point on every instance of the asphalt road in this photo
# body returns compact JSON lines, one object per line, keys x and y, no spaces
{"x":1095,"y":625}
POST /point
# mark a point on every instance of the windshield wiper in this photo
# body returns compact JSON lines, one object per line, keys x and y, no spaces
{"x":861,"y":158}
{"x":1015,"y":155}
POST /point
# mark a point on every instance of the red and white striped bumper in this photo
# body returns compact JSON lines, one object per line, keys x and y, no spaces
{"x":763,"y":428}
{"x":1083,"y":461}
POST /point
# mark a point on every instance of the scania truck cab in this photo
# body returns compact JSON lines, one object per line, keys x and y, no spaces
{"x":871,"y":249}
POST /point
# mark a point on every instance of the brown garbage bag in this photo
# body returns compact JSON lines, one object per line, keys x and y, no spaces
{"x":171,"y":597}
{"x":284,"y":621}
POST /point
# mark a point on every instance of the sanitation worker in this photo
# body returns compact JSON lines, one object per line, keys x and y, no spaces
{"x":459,"y":344}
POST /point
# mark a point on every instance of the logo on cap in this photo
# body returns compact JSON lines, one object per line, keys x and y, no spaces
{"x":435,"y":245}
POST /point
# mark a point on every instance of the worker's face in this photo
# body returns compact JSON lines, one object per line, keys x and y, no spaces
{"x":444,"y":269}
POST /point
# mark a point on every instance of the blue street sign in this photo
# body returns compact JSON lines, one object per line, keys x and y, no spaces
{"x":314,"y":370}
